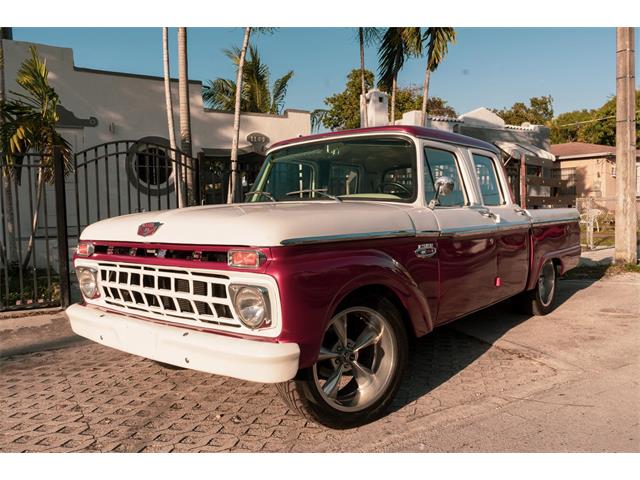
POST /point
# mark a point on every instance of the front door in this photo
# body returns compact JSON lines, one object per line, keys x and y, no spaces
{"x":466,"y":248}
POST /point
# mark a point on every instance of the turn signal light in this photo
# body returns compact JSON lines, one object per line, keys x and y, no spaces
{"x":84,"y":249}
{"x":245,"y":258}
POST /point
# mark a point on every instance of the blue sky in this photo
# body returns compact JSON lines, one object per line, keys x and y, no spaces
{"x":492,"y":67}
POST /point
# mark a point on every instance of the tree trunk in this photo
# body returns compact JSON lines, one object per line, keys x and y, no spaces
{"x":167,"y":87}
{"x":425,"y":95}
{"x":168,"y":98}
{"x":185,"y":111}
{"x":394,"y":86}
{"x":36,"y":216}
{"x":10,"y":251}
{"x":233,"y":183}
{"x":362,"y":78}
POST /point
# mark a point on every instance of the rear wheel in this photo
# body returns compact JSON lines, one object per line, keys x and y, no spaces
{"x":541,"y":299}
{"x":359,"y":368}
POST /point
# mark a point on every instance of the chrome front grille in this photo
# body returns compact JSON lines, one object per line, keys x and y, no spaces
{"x":174,"y":294}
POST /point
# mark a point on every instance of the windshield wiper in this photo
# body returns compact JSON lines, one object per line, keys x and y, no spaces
{"x":263,"y":194}
{"x":321,"y":191}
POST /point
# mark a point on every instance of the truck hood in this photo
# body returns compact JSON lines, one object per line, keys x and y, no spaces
{"x":260,"y":224}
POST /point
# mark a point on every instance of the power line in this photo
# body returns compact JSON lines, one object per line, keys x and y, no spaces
{"x":589,"y":121}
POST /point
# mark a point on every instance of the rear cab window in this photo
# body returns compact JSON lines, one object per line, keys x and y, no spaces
{"x":490,"y":188}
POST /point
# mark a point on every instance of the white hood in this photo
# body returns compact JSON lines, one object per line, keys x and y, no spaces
{"x":258,"y":225}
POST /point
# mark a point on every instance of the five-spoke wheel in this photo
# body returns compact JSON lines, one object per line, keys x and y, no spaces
{"x":359,"y":366}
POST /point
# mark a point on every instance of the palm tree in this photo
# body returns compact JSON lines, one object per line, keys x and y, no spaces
{"x":167,"y":87}
{"x":9,"y":252}
{"x":169,"y":107}
{"x":366,"y":36}
{"x":256,"y":95}
{"x":29,"y":125}
{"x":398,"y":43}
{"x":231,"y":195}
{"x":185,"y":110}
{"x":437,"y":40}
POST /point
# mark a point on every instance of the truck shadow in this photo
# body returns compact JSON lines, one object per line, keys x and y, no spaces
{"x":447,"y":351}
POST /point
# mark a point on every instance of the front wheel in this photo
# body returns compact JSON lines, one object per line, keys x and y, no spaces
{"x":541,"y":299}
{"x":359,"y":369}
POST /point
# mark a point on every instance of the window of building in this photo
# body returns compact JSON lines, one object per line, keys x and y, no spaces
{"x":152,"y":167}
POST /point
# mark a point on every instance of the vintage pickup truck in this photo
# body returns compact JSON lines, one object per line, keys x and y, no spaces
{"x":349,"y":245}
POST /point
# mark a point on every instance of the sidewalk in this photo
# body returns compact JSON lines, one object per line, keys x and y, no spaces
{"x":27,"y":331}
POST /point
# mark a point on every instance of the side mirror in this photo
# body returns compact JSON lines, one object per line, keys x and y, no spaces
{"x":443,"y":186}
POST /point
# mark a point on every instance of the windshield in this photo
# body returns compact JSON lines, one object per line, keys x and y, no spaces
{"x":366,"y":168}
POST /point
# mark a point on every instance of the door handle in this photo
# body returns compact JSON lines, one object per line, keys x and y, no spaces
{"x":487,"y":213}
{"x":426,"y":250}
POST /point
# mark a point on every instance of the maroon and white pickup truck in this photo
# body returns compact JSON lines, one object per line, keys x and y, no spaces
{"x":349,"y":244}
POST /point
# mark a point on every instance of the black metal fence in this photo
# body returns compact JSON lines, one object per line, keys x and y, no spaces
{"x":42,"y":221}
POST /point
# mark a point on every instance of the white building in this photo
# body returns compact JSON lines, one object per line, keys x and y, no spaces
{"x":102,"y":107}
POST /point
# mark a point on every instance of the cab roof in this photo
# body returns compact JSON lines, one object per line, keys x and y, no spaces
{"x":420,"y":132}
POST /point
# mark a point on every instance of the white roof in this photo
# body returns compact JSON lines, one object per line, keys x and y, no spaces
{"x":516,"y":150}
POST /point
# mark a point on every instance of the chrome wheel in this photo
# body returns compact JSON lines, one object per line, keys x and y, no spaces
{"x":357,"y":359}
{"x":547,"y":283}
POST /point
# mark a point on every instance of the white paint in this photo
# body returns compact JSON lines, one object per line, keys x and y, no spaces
{"x":260,"y":224}
{"x":190,"y":275}
{"x":256,"y":361}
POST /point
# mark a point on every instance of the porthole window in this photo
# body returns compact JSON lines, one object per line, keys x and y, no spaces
{"x":152,"y":167}
{"x":149,"y":166}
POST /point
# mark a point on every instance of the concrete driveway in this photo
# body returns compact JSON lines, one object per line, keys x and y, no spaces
{"x":495,"y":381}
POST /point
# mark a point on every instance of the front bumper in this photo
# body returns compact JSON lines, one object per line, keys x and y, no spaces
{"x":256,"y":361}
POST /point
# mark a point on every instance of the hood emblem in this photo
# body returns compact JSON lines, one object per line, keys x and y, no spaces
{"x":148,"y":228}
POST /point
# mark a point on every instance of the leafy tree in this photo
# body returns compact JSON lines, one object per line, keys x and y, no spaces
{"x":344,"y":107}
{"x":603,"y":129}
{"x":366,"y":36}
{"x":411,"y":98}
{"x":566,"y":126}
{"x":29,"y":125}
{"x":256,"y":95}
{"x":539,"y":111}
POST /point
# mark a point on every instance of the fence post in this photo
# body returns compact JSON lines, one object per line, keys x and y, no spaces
{"x":61,"y":227}
{"x":197,"y":184}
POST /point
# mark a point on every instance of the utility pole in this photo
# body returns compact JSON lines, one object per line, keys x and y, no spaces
{"x":626,"y":216}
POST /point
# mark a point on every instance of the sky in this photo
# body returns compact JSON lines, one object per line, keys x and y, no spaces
{"x":490,"y":67}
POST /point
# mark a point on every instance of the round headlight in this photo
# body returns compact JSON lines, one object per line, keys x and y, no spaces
{"x":88,"y":281}
{"x":251,"y":305}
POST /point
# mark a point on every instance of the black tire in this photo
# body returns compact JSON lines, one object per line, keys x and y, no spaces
{"x":541,"y":300}
{"x":168,"y":366}
{"x":304,"y":394}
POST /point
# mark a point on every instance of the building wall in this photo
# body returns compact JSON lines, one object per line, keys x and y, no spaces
{"x":593,"y":176}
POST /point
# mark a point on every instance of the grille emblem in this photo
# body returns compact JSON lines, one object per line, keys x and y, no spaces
{"x":148,"y":228}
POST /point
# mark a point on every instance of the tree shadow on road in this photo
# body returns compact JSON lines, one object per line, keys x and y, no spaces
{"x":442,"y":354}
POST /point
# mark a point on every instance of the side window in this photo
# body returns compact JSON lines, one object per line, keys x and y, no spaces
{"x":441,"y":163}
{"x":488,"y":178}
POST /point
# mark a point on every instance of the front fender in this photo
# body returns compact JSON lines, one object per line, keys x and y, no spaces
{"x":313,"y":281}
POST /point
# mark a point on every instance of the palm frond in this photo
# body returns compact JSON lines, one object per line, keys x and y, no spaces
{"x":279,"y":93}
{"x":317,"y":116}
{"x":438,"y":40}
{"x":397,"y":44}
{"x":220,"y":94}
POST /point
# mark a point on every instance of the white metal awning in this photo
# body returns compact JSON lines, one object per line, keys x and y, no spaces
{"x":516,"y":150}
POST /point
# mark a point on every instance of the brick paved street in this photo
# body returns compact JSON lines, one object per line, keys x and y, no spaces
{"x":468,"y":384}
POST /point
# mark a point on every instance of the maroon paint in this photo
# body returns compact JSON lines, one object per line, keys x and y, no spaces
{"x":467,"y":274}
{"x":550,"y":242}
{"x":314,"y":279}
{"x":513,"y":262}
